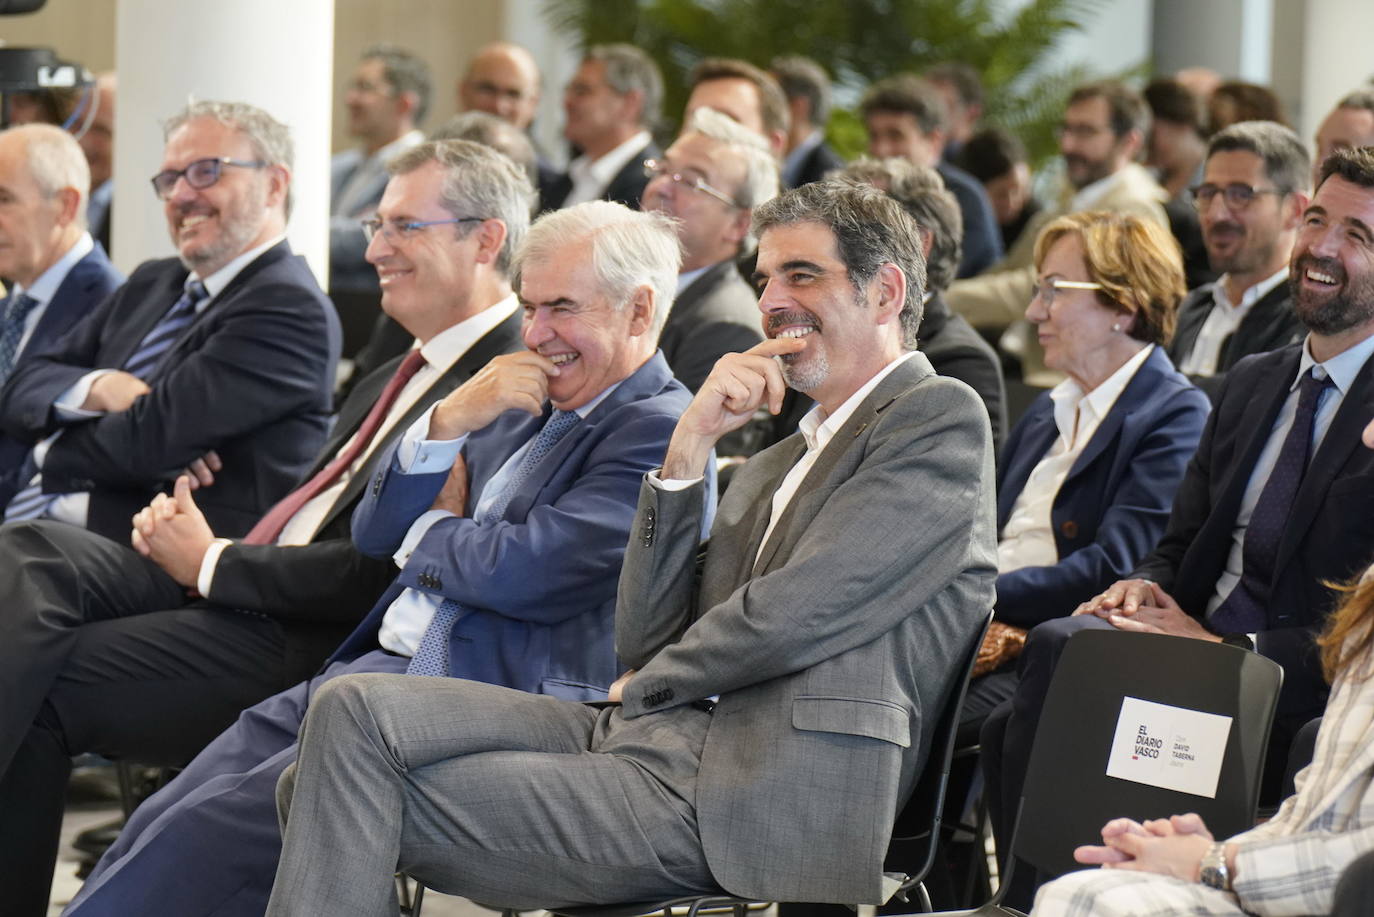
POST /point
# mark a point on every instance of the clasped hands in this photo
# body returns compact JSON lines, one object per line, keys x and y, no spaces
{"x":1171,"y":846}
{"x":1142,"y":606}
{"x":172,"y":531}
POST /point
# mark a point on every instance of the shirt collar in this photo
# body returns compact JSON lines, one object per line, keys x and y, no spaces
{"x":685,"y":279}
{"x":1069,"y":397}
{"x":817,"y":429}
{"x":609,"y":164}
{"x":46,"y":284}
{"x":216,"y":282}
{"x":1254,"y":294}
{"x":1342,"y":368}
{"x":444,"y":349}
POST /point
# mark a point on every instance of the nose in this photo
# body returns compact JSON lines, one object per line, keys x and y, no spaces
{"x":1036,"y":311}
{"x":535,"y":329}
{"x":378,"y":249}
{"x":1325,"y":242}
{"x":181,"y":191}
{"x":1215,"y":209}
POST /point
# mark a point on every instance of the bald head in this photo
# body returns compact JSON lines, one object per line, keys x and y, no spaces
{"x":502,"y":79}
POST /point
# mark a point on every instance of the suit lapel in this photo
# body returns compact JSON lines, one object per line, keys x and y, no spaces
{"x":1341,"y":439}
{"x":1257,"y":420}
{"x":1038,"y":438}
{"x":1142,"y":387}
{"x":810,"y":495}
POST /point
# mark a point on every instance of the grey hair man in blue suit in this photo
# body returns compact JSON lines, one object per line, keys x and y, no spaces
{"x":506,"y":508}
{"x":783,"y":682}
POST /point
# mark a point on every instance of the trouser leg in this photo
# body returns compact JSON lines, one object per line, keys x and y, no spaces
{"x":31,"y":803}
{"x":508,"y":798}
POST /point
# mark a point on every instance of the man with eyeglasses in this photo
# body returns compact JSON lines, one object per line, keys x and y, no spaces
{"x":506,"y":506}
{"x":710,"y":180}
{"x":228,"y":349}
{"x":386,"y":101}
{"x":1101,"y":136}
{"x":1274,"y":511}
{"x":1250,"y":201}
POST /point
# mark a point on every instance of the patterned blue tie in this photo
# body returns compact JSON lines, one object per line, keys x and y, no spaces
{"x":431,"y":656}
{"x":157,"y":342}
{"x":12,"y":330}
{"x":1245,"y":610}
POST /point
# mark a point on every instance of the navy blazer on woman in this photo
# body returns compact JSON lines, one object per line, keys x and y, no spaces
{"x":540,"y":584}
{"x":1114,"y":503}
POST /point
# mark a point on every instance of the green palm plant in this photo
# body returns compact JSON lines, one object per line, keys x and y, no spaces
{"x":858,"y":41}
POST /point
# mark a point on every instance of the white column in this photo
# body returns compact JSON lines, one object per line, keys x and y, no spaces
{"x":275,"y":54}
{"x":1233,"y":37}
{"x":1336,"y":56}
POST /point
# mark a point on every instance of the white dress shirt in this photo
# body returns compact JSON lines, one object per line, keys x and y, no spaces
{"x":1028,"y":537}
{"x":1223,"y":321}
{"x":441,"y":352}
{"x":591,"y":176}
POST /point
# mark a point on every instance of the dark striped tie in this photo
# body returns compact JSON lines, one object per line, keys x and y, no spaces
{"x":157,"y":342}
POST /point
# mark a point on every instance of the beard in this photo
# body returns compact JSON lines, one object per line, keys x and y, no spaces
{"x":805,"y":371}
{"x":1345,"y":306}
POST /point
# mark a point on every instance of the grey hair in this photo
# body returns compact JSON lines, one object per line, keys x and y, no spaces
{"x":479,"y":181}
{"x":630,"y":249}
{"x":1286,"y":160}
{"x":497,"y":133}
{"x":922,"y":192}
{"x":405,"y":71}
{"x":760,"y":182}
{"x":629,"y":69}
{"x":269,"y":138}
{"x":870,"y":228}
{"x":55,"y":161}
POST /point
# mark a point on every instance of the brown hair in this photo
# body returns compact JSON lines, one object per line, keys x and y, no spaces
{"x":1136,"y":261}
{"x":1349,"y":636}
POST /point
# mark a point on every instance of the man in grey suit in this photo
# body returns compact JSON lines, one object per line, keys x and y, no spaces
{"x":778,"y":709}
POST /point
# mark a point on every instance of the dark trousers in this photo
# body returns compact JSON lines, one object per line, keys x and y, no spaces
{"x":1355,"y":891}
{"x":101,"y":652}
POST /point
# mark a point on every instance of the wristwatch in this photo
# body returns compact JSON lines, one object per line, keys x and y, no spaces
{"x":1213,"y":871}
{"x":1241,"y":640}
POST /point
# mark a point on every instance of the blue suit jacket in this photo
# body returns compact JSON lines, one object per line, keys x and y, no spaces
{"x":541,"y":583}
{"x":1114,"y":504}
{"x":251,"y":377}
{"x":86,"y":285}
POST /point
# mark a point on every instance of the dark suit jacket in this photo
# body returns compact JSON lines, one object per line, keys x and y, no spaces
{"x":957,"y":351}
{"x":86,"y":285}
{"x":1328,"y":538}
{"x":250,"y":378}
{"x":539,"y":584}
{"x":717,"y":314}
{"x":833,"y":649}
{"x":1115,"y":501}
{"x":821,"y":160}
{"x":982,"y":236}
{"x":1269,"y":325}
{"x":626,"y":187}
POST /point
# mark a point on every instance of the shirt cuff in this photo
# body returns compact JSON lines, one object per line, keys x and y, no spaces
{"x":418,"y":455}
{"x":68,"y":404}
{"x":417,"y":531}
{"x":206,"y":578}
{"x":672,"y":483}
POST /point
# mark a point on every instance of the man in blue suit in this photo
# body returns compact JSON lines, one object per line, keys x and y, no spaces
{"x":507,"y":508}
{"x":56,"y":272}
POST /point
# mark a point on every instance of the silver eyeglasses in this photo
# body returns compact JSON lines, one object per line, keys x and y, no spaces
{"x":654,"y":169}
{"x":1045,"y":289}
{"x":406,"y":229}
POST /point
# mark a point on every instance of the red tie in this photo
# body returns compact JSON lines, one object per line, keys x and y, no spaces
{"x":270,"y":526}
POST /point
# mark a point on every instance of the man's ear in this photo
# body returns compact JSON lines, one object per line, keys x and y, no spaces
{"x":279,"y":180}
{"x":68,"y":199}
{"x":1295,"y":204}
{"x":890,"y":283}
{"x":491,"y":236}
{"x":408,"y":103}
{"x":642,"y":305}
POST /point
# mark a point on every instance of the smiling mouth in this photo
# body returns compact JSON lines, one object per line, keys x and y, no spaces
{"x":563,"y":359}
{"x":1320,"y":277}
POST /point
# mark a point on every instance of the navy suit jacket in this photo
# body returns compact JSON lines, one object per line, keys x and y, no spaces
{"x":540,"y":584}
{"x":1328,"y":538}
{"x":1115,"y":501}
{"x":250,"y":378}
{"x":86,"y":285}
{"x":982,"y":241}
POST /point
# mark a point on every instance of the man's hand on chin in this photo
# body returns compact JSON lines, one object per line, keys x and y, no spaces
{"x":172,"y":532}
{"x":739,"y":384}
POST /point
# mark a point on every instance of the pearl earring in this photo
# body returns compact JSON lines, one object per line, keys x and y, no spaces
{"x":1116,"y":326}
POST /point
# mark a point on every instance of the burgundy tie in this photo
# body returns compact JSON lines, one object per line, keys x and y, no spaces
{"x":270,"y":525}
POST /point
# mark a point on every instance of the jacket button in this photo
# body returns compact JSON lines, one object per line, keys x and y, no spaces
{"x":377,"y":484}
{"x":1069,"y":528}
{"x":436,"y":582}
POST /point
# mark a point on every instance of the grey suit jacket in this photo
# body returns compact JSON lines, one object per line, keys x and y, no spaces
{"x":833,"y":654}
